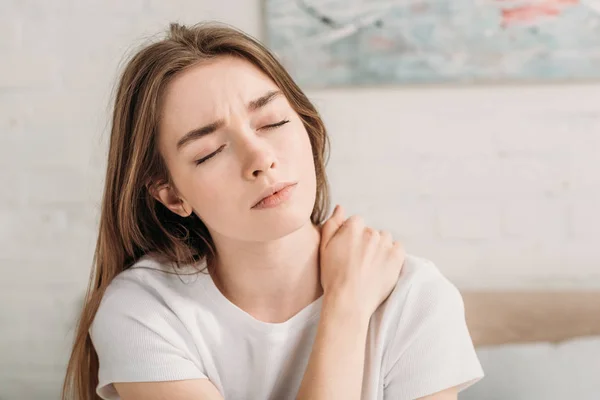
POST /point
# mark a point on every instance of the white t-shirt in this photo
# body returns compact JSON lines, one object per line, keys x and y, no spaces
{"x":156,"y":326}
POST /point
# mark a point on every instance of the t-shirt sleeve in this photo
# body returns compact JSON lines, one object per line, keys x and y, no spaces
{"x":139,"y":339}
{"x":432,"y":349}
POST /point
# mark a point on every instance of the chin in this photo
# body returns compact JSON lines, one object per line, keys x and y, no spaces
{"x":274,"y":223}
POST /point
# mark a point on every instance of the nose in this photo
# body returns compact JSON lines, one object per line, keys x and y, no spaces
{"x":258,"y":157}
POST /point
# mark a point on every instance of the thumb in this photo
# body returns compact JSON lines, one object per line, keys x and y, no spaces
{"x":331,"y":226}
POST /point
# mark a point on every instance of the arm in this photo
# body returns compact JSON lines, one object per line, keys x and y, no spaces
{"x":193,"y":389}
{"x":448,"y":394}
{"x":359,"y":267}
{"x":335,"y":366}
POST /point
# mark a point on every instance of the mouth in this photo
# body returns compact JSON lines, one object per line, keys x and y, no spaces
{"x":275,"y":195}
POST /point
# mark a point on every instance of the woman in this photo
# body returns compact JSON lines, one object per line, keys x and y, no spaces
{"x":216,"y":274}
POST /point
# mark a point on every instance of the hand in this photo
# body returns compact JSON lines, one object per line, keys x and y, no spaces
{"x":359,"y":265}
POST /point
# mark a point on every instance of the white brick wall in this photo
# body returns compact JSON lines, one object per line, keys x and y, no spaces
{"x":500,"y":185}
{"x":497,"y":184}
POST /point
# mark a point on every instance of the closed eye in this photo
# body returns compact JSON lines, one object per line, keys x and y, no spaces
{"x":200,"y":161}
{"x":267,"y":127}
{"x":276,"y":125}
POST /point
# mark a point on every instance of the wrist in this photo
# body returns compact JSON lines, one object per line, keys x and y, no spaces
{"x":344,"y":308}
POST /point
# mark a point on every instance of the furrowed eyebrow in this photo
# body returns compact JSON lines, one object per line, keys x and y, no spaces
{"x":263,"y":100}
{"x":198,"y":133}
{"x":205,"y":130}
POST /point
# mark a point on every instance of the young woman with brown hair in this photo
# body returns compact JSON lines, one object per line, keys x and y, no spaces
{"x":216,"y":274}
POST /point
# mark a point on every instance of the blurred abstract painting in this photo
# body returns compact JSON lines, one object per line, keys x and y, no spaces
{"x":325,"y":43}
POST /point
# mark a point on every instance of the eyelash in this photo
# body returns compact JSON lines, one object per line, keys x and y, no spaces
{"x":267,"y":127}
{"x":276,"y":125}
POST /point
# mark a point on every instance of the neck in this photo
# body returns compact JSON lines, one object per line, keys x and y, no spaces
{"x":270,"y":280}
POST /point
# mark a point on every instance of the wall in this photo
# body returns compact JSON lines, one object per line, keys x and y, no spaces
{"x":499,"y":185}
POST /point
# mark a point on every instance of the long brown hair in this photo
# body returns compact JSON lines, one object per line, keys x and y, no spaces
{"x":132,"y":222}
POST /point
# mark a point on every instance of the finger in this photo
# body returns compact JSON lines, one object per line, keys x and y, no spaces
{"x":332,"y":225}
{"x":386,"y":239}
{"x":397,"y":249}
{"x":398,"y":255}
{"x":372,"y":240}
{"x":356,"y":223}
{"x":372,"y":234}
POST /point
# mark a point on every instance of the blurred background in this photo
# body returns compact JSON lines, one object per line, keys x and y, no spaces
{"x":497,"y":180}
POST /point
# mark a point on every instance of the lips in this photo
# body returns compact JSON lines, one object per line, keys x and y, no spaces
{"x":272,"y":190}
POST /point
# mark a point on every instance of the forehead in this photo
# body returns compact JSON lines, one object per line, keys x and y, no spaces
{"x":211,"y":88}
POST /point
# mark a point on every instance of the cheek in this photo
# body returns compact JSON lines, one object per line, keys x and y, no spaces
{"x":298,"y":143}
{"x":211,"y":198}
{"x":306,"y":151}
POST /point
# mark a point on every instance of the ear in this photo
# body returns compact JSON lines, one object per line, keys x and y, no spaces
{"x":170,"y":199}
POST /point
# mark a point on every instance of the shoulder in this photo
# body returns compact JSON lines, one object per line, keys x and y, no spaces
{"x":423,"y":300}
{"x":150,"y":278}
{"x":422,"y":286}
{"x":144,"y":291}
